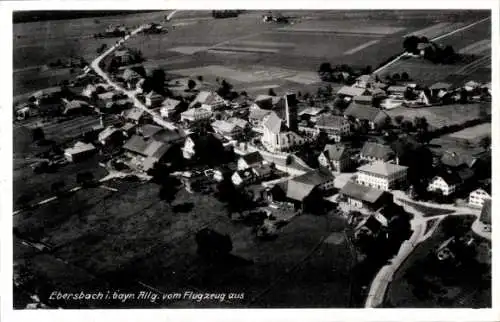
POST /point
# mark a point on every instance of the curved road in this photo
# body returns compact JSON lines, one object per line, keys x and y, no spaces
{"x":131,"y":94}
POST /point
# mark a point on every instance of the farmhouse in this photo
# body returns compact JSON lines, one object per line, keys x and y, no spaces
{"x":211,"y":101}
{"x":111,"y":135}
{"x":335,"y":157}
{"x":373,"y":116}
{"x":363,"y":100}
{"x":311,"y":113}
{"x":207,"y":148}
{"x":348,"y":92}
{"x":224,"y":172}
{"x":478,"y":196}
{"x":74,"y":106}
{"x":448,"y":181}
{"x":382,"y":175}
{"x":250,"y":160}
{"x":134,"y":115}
{"x":373,"y":151}
{"x":364,"y":81}
{"x":277,"y":137}
{"x":335,"y":127}
{"x":196,"y":114}
{"x":360,"y":196}
{"x":243,"y":177}
{"x":79,"y":151}
{"x":396,"y":91}
{"x":456,"y":160}
{"x":170,"y":107}
{"x":439,"y":87}
{"x":371,"y":225}
{"x":131,"y":78}
{"x":153,"y":99}
{"x":144,"y":152}
{"x":227,"y":128}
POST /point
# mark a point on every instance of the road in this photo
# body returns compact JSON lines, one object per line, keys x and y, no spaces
{"x":131,"y":94}
{"x":418,"y":225}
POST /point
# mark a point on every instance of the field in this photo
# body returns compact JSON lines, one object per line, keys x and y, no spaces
{"x":440,"y":116}
{"x":132,"y":233}
{"x":245,"y":41}
{"x":422,"y":282}
{"x":473,"y":133}
{"x":474,"y":42}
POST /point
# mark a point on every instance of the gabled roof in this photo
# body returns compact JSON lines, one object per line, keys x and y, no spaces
{"x":154,"y":95}
{"x":315,"y":177}
{"x":238,"y":121}
{"x":359,"y":112}
{"x":330,"y":121}
{"x":485,"y":216}
{"x":134,"y":113}
{"x":449,"y":176}
{"x":258,"y":114}
{"x":148,"y":130}
{"x":223,"y":126}
{"x":262,"y":170}
{"x":351,"y":91}
{"x":454,"y":159}
{"x":371,"y":223}
{"x":313,"y":111}
{"x":377,"y":151}
{"x":168,"y":136}
{"x":335,"y":152}
{"x":382,"y":168}
{"x":363,"y":99}
{"x":107,"y":132}
{"x":170,"y":104}
{"x":130,"y":74}
{"x":361,"y":192}
{"x":147,"y":148}
{"x":396,"y":88}
{"x":207,"y":98}
{"x":263,"y":97}
{"x":193,"y":112}
{"x":273,"y":123}
{"x":245,"y":174}
{"x":440,"y":85}
{"x":252,"y":158}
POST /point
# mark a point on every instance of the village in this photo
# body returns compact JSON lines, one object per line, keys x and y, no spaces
{"x":274,"y":157}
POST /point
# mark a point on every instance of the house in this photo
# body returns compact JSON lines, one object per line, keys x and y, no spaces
{"x":250,"y":160}
{"x":439,"y":87}
{"x":135,"y":115}
{"x":335,"y":127}
{"x":373,"y":151}
{"x":311,"y":113}
{"x":374,"y":117}
{"x":348,"y":92}
{"x":396,"y":91}
{"x":128,"y":129}
{"x":131,"y":78}
{"x":382,"y":175}
{"x":224,"y":172}
{"x":478,"y":196}
{"x":145,"y":152}
{"x":485,"y":216}
{"x":304,"y":190}
{"x":264,"y":101}
{"x":153,"y":99}
{"x":363,"y":100}
{"x":226,"y":128}
{"x":239,"y":122}
{"x":360,"y":196}
{"x":453,"y":159}
{"x":446,"y":182}
{"x":471,"y":86}
{"x":170,"y":107}
{"x":256,"y":118}
{"x":422,"y":47}
{"x":74,"y":107}
{"x":196,"y":114}
{"x":211,"y":101}
{"x":79,"y":151}
{"x":243,"y":177}
{"x":335,"y":157}
{"x":111,"y":135}
{"x":263,"y":171}
{"x":364,"y":81}
{"x":277,"y":137}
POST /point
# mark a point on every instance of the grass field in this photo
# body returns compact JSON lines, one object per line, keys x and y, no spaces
{"x":422,"y":282}
{"x":439,"y":116}
{"x":473,"y":133}
{"x":132,"y":233}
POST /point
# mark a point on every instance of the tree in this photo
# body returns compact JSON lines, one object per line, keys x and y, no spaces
{"x":485,"y":142}
{"x":407,"y":126}
{"x":410,"y":44}
{"x":200,"y":78}
{"x":271,"y":92}
{"x":399,"y":119}
{"x":167,"y":193}
{"x":38,"y":134}
{"x":421,"y":124}
{"x":191,"y":84}
{"x":405,"y":76}
{"x":387,"y":122}
{"x":225,"y":89}
{"x":396,"y":77}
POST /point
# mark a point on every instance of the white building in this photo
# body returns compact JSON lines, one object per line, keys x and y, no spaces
{"x":277,"y":137}
{"x":208,"y":100}
{"x":79,"y":151}
{"x":226,"y":128}
{"x":154,"y":99}
{"x":250,"y":160}
{"x":478,"y":196}
{"x":196,"y":114}
{"x":382,"y":175}
{"x":169,"y":107}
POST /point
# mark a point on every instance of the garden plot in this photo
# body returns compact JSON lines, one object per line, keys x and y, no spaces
{"x":436,"y":30}
{"x":351,"y":26}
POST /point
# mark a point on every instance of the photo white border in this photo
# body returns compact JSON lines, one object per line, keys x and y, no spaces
{"x":218,"y":315}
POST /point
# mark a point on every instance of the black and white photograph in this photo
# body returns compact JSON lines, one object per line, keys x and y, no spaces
{"x":252,"y":159}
